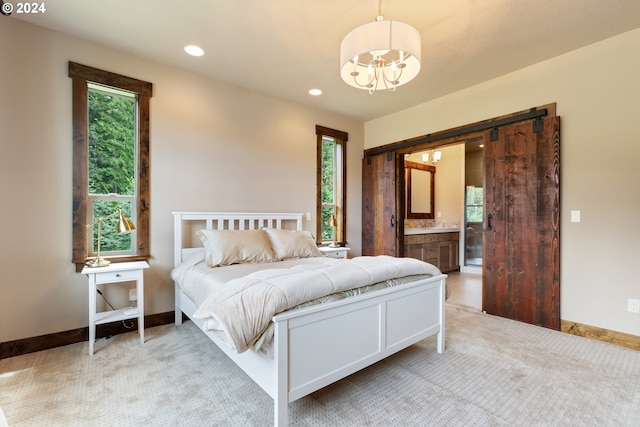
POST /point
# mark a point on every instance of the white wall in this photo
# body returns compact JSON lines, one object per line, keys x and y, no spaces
{"x":597,"y":91}
{"x":213,"y":147}
{"x":449,"y":201}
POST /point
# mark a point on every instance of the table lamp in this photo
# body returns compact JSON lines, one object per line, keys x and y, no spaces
{"x":125,"y":226}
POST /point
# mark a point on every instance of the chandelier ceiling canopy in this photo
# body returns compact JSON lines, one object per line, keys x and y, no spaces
{"x":380,"y":55}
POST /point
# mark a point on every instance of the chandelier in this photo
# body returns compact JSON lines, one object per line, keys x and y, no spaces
{"x":380,"y":55}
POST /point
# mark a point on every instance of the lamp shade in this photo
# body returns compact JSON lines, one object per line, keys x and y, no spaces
{"x":124,"y":225}
{"x":393,"y":42}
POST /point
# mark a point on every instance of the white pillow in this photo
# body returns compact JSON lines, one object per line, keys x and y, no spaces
{"x":226,"y":247}
{"x":292,"y":243}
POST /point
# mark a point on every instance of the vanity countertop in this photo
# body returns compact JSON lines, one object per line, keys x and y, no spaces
{"x":409,"y":231}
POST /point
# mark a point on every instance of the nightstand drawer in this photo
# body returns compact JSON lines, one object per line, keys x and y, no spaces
{"x":340,"y":252}
{"x":117,"y":276}
{"x":335,"y":253}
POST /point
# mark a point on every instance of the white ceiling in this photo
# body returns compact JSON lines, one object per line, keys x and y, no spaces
{"x":286,"y":47}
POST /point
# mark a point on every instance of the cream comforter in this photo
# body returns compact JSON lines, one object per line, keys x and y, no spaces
{"x":243,"y":308}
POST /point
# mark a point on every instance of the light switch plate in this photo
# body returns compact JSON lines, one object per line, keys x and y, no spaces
{"x":575,"y":216}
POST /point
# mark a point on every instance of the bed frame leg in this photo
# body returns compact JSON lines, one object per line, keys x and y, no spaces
{"x":281,"y":355}
{"x":178,"y":311}
{"x":443,"y":302}
{"x":440,"y":347}
{"x":281,"y":412}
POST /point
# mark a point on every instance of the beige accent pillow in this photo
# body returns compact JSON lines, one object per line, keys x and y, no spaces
{"x":226,"y":247}
{"x":292,"y":243}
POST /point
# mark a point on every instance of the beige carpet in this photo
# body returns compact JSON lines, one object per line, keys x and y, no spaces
{"x":495,"y":372}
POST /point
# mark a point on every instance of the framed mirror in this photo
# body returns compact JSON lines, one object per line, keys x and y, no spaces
{"x":419,"y":190}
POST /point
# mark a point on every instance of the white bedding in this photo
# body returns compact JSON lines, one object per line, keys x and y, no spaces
{"x":240,"y":300}
{"x":197,"y":280}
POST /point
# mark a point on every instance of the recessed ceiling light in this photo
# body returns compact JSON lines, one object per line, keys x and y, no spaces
{"x":193,"y":50}
{"x":315,"y":92}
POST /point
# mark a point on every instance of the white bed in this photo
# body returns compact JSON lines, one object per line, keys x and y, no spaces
{"x":304,"y":359}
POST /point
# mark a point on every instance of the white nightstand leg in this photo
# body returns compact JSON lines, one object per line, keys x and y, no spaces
{"x":140,"y":292}
{"x":92,"y":312}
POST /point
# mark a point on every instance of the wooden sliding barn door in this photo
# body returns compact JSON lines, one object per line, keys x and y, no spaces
{"x":380,"y":219}
{"x":521,"y":260}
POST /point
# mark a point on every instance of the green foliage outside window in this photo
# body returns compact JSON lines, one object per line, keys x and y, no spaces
{"x":474,"y":203}
{"x":111,"y":240}
{"x":328,"y":186}
{"x":111,"y":144}
{"x":112,"y":148}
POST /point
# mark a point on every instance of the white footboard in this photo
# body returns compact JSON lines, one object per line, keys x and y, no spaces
{"x":325,"y":344}
{"x":321,"y":344}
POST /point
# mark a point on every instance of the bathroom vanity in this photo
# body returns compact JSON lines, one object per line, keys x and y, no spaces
{"x":438,"y":246}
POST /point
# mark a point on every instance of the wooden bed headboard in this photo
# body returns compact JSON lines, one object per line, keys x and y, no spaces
{"x":185,"y":225}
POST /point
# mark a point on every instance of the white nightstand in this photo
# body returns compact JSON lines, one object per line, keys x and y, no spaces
{"x":115,"y":273}
{"x":334,"y":252}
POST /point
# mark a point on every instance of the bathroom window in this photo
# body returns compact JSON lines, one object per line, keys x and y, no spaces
{"x":474,"y":204}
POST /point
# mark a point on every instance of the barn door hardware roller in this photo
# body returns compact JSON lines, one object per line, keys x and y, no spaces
{"x":538,"y":125}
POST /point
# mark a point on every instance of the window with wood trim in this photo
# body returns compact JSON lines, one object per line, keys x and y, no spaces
{"x":110,"y":163}
{"x":332,"y":184}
